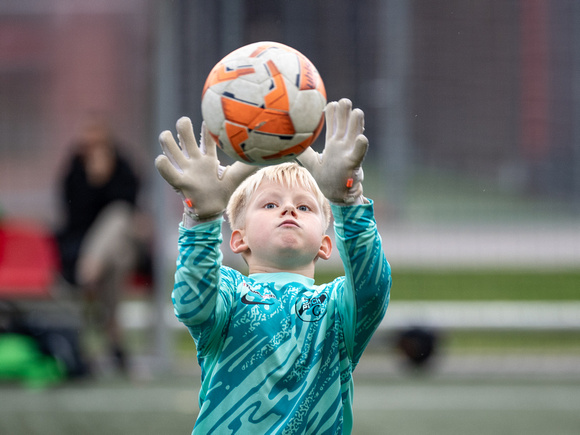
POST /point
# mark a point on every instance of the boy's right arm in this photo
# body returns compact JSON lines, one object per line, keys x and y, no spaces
{"x":205,"y":187}
{"x":197,"y":281}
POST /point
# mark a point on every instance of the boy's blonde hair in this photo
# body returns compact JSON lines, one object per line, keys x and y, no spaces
{"x":289,"y":174}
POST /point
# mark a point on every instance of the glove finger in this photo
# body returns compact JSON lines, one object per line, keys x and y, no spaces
{"x":207,"y":144}
{"x":171,"y":149}
{"x":309,"y":158}
{"x":356,"y":125}
{"x":168,"y":171}
{"x":343,"y":115}
{"x":186,"y":137}
{"x":361,"y":145}
{"x":329,"y":113}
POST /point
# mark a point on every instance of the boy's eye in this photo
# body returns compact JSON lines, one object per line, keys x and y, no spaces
{"x":303,"y":208}
{"x":270,"y":205}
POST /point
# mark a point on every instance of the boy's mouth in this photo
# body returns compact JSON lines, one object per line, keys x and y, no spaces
{"x":289,"y":222}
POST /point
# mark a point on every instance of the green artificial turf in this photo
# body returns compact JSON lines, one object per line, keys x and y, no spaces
{"x":516,"y":285}
{"x":515,"y":342}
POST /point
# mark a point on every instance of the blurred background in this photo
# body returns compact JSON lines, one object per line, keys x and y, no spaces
{"x":473,"y":115}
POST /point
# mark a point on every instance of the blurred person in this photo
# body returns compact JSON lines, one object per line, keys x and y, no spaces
{"x":97,"y":243}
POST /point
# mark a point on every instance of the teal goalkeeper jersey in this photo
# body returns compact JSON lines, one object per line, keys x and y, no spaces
{"x":276,"y":351}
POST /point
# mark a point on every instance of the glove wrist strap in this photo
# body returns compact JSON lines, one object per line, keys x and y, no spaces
{"x":351,"y":200}
{"x":191,"y":219}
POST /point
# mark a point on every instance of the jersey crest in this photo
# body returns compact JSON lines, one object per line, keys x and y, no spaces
{"x":311,"y":308}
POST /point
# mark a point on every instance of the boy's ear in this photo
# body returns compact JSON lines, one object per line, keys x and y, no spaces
{"x":238,"y":243}
{"x":325,"y":247}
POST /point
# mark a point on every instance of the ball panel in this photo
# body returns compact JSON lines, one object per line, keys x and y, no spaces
{"x":236,"y":134}
{"x":288,"y":65}
{"x":309,"y":77}
{"x":304,"y":105}
{"x":291,"y":152}
{"x":255,"y":118}
{"x":287,"y":150}
{"x":272,"y":143}
{"x":225,"y":73}
{"x":245,"y":91}
{"x":240,"y":112}
{"x":277,"y":98}
{"x":212,"y":112}
{"x":259,"y":75}
{"x":274,"y":122}
{"x":264,"y":103}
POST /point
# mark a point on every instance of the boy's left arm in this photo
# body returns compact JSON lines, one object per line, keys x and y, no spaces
{"x":338,"y":172}
{"x":367,"y":274}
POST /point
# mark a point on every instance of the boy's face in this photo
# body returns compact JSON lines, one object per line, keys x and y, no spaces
{"x":283,"y":231}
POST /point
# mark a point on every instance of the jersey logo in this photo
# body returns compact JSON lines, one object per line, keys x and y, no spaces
{"x":254,"y":297}
{"x":312,"y":309}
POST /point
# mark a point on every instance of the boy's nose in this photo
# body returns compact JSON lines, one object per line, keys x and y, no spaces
{"x":289,"y":208}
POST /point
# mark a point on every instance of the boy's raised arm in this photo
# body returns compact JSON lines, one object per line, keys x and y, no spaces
{"x":195,"y":172}
{"x":338,"y":172}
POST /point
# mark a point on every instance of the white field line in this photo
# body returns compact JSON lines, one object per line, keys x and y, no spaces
{"x":368,"y":397}
{"x":484,"y":315}
{"x":114,"y":400}
{"x":451,"y":315}
{"x":467,"y":397}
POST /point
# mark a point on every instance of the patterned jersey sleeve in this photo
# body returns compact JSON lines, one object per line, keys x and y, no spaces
{"x":367,"y":275}
{"x":200,"y":294}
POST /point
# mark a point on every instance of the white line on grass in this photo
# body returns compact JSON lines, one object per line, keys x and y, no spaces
{"x":467,"y":397}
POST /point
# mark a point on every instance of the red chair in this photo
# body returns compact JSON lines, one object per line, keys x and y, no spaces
{"x":29,"y":261}
{"x":29,"y":306}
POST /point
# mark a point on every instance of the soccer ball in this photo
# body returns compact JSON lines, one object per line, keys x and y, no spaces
{"x":263,"y":103}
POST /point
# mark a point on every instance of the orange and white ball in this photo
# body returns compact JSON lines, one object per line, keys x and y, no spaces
{"x":264,"y":103}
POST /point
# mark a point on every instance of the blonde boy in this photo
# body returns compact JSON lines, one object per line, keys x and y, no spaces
{"x":277,"y":351}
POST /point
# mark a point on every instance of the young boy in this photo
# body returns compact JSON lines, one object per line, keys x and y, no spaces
{"x":277,"y":352}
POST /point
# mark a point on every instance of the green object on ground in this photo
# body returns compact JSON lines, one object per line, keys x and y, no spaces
{"x":22,"y":360}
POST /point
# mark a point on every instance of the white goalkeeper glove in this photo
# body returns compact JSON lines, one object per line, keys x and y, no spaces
{"x":338,"y":169}
{"x":196,"y":174}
